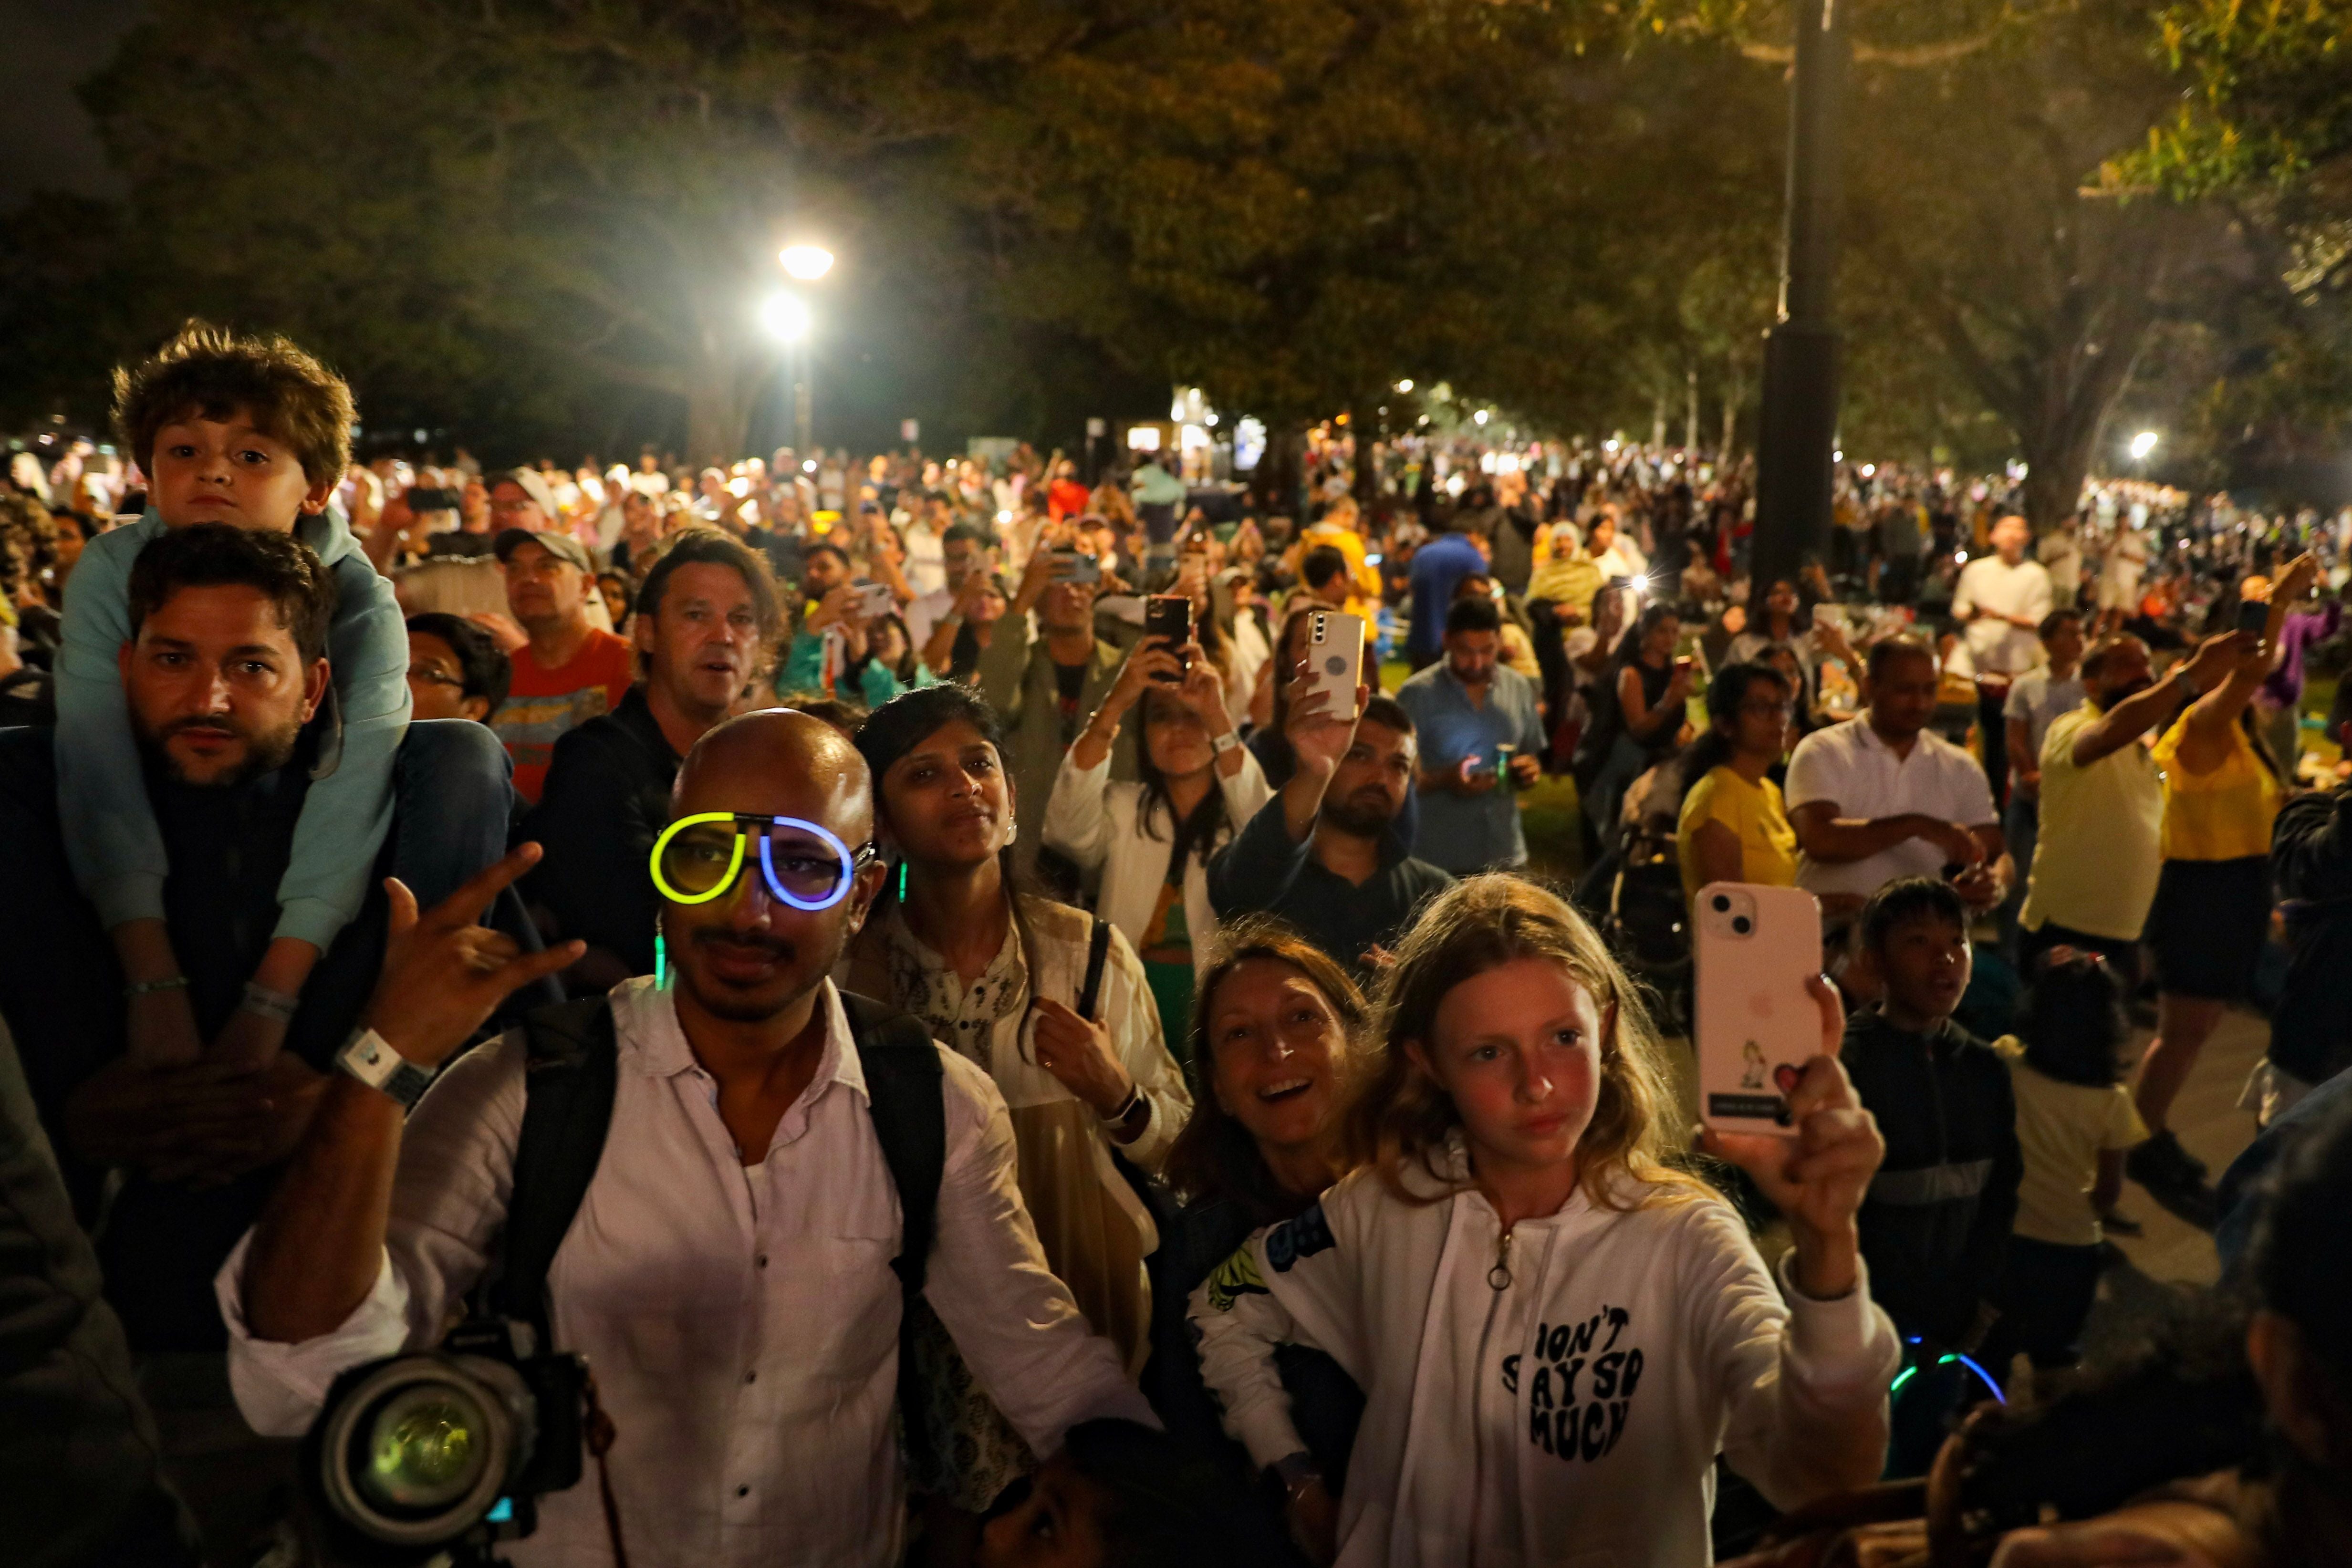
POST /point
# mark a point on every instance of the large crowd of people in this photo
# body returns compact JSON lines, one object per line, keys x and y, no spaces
{"x":920,"y":971}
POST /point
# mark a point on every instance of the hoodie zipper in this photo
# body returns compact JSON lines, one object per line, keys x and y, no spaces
{"x":1499,"y":1280}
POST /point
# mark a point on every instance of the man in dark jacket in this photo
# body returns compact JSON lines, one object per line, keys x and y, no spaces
{"x":1935,"y":1225}
{"x":2311,"y":871}
{"x":1325,"y":853}
{"x":78,"y":1446}
{"x":707,"y":619}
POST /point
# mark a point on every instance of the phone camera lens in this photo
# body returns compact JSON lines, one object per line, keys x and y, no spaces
{"x":1741,"y":926}
{"x":1722,"y":903}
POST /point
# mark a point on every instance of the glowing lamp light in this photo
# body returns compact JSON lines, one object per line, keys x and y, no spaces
{"x":808,"y":465}
{"x":806,"y":262}
{"x":786,"y":318}
{"x":1480,"y":416}
{"x":2142,"y":445}
{"x":1405,"y":385}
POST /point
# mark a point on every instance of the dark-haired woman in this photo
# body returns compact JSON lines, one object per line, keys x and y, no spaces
{"x":1734,"y":826}
{"x":2213,"y":908}
{"x":1150,"y":839}
{"x":998,"y":977}
{"x":1270,"y":1041}
{"x":1639,"y":719}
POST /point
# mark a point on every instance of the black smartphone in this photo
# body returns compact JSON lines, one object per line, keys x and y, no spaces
{"x":1074,"y":566}
{"x":421,"y":499}
{"x":1169,"y":616}
{"x":2253,"y":615}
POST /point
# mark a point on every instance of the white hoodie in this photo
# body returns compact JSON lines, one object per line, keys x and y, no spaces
{"x":1571,"y":1416}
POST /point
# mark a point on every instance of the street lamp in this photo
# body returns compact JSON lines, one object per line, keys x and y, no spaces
{"x":786,"y":318}
{"x":2142,"y":445}
{"x":806,"y":262}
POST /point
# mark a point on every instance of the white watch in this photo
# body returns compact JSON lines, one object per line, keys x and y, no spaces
{"x":374,"y":1063}
{"x":1226,"y":742}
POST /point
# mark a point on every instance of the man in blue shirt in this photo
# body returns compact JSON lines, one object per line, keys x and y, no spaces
{"x":1438,"y":569}
{"x":1479,"y":738}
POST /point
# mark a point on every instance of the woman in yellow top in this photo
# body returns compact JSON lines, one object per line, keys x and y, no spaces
{"x":1734,"y":827}
{"x":2213,"y":908}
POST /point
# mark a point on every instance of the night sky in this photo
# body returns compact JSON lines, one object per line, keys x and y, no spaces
{"x":46,"y":139}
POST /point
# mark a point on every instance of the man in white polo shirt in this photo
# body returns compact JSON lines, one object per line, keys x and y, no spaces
{"x":2001,"y":600}
{"x":1880,"y":796}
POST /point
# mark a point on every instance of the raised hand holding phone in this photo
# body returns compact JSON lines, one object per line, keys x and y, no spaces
{"x":1773,"y":1097}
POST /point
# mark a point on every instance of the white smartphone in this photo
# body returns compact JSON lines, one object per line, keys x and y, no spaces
{"x":1335,"y":659}
{"x":1757,"y":1025}
{"x":874,"y":600}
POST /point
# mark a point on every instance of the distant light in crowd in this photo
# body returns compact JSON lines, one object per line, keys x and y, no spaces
{"x":1003,"y":518}
{"x":1868,"y":469}
{"x":1610,"y":445}
{"x":2143,"y":443}
{"x":1837,"y":456}
{"x":806,"y":262}
{"x":1209,"y":419}
{"x":786,"y":318}
{"x":808,"y":465}
{"x":1480,"y":416}
{"x":1372,"y":558}
{"x":1405,"y":385}
{"x":1964,"y":558}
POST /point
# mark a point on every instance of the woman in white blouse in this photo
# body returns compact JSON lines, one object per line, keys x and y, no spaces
{"x":1150,"y":839}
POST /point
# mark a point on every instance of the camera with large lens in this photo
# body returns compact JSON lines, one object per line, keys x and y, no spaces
{"x":446,"y":1450}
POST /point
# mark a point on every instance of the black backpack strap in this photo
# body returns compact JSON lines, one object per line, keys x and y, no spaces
{"x":1097,"y":949}
{"x":568,"y":1088}
{"x":907,"y":1096}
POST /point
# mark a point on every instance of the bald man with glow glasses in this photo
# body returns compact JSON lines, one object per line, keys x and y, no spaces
{"x":728,"y":1274}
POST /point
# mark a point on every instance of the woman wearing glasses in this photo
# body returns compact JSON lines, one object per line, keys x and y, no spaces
{"x":1000,"y":976}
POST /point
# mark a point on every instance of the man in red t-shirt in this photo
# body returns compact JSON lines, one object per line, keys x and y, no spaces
{"x":1066,"y":496}
{"x":570,"y":672}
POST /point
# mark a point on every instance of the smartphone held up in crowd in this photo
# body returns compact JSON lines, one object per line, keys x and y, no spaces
{"x":1757,"y":1024}
{"x":1335,"y":659}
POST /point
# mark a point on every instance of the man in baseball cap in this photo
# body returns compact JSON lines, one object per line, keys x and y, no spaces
{"x":570,"y":670}
{"x":563,"y":547}
{"x":520,"y":499}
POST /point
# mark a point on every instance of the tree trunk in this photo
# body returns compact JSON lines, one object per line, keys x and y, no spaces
{"x":1657,"y":420}
{"x":1275,"y":484}
{"x":1690,"y":410}
{"x":1363,"y":483}
{"x":724,"y":382}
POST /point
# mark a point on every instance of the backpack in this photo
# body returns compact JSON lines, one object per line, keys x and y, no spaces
{"x":569,"y":1083}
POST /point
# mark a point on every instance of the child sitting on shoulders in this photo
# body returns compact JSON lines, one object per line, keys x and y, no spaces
{"x":255,"y":434}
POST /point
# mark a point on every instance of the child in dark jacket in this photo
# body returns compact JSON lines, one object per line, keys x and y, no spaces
{"x":1936,"y":1223}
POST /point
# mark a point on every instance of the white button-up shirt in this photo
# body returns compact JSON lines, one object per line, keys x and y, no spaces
{"x":742,"y":1319}
{"x":1848,"y":766}
{"x":2023,"y":589}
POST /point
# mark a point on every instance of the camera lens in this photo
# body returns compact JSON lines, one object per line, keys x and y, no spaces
{"x":1741,"y":926}
{"x":426,"y":1448}
{"x":1722,"y":903}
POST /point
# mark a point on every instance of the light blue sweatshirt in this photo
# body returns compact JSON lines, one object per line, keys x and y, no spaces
{"x":112,"y":840}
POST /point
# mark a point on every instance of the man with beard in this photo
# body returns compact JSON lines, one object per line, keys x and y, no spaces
{"x":2095,"y":864}
{"x":1478,"y":721}
{"x":708,"y":618}
{"x":730,"y":1278}
{"x":1324,"y":854}
{"x":225,"y":680}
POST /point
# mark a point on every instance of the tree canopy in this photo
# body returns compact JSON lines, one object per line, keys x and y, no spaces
{"x":551,"y":223}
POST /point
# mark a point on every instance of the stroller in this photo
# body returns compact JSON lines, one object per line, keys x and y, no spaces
{"x":1634,"y":895}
